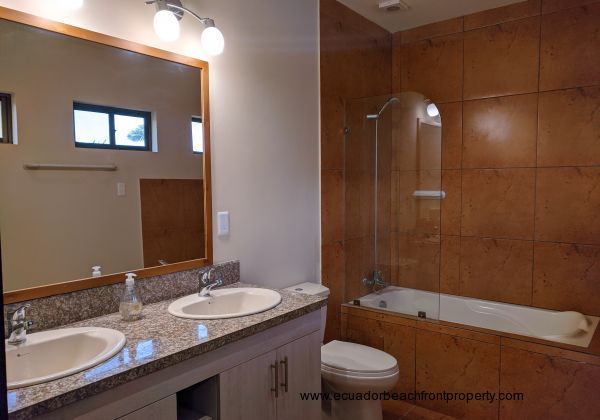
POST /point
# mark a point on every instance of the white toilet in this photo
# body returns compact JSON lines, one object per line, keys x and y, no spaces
{"x":351,"y":368}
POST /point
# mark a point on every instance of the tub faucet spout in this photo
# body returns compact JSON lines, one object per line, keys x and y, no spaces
{"x":377,"y":282}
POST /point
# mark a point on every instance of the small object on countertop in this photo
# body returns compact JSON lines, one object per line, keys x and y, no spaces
{"x":131,"y":305}
{"x":96,"y":271}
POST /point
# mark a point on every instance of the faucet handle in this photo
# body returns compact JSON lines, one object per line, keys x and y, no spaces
{"x":205,"y":278}
{"x":19,"y":313}
{"x":26,"y":325}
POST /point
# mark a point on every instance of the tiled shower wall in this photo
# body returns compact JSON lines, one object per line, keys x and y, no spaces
{"x":518,"y":88}
{"x":355,"y":62}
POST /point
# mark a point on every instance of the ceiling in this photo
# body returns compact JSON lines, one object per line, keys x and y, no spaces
{"x":421,"y":12}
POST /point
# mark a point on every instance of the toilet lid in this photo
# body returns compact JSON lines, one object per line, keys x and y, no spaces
{"x":356,"y":357}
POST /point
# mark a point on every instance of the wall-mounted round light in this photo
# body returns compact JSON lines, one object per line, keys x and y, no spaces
{"x":166,"y":25}
{"x":70,"y":5}
{"x":212,"y":41}
{"x":432,"y":110}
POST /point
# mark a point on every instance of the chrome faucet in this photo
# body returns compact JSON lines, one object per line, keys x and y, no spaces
{"x":205,"y":279}
{"x":377,"y":282}
{"x":18,"y":325}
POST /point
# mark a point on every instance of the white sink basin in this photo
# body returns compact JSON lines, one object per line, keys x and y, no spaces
{"x":50,"y":355}
{"x":225,"y":303}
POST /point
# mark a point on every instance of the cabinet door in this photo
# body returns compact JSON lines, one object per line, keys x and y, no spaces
{"x":302,"y":360}
{"x":165,"y":409}
{"x":245,"y":391}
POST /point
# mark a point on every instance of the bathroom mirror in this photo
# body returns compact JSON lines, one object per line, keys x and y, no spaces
{"x":104,"y":159}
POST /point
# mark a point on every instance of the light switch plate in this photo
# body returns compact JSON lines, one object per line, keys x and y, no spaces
{"x":121,"y":192}
{"x":223,"y":223}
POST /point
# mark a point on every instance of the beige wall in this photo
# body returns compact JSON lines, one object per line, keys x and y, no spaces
{"x":264,"y":118}
{"x":68,"y":222}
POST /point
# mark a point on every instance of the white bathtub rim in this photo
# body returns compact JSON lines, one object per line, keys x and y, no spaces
{"x":567,"y":327}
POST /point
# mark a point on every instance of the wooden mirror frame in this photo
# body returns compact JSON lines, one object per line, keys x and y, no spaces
{"x":91,"y":282}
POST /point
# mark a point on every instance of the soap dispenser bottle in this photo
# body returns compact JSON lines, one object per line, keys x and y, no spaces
{"x":131,"y":305}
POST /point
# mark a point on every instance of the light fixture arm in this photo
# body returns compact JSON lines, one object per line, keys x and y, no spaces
{"x":208,"y":22}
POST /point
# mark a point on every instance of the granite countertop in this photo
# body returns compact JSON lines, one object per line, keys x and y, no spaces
{"x":155,"y":342}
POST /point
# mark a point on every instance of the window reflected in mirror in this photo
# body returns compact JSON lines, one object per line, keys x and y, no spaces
{"x":6,"y":118}
{"x":197,"y":135}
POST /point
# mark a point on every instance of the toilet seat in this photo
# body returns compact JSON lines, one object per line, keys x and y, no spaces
{"x":355,"y":360}
{"x":328,"y":370}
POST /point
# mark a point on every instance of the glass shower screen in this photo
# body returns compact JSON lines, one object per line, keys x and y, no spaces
{"x":393,"y":198}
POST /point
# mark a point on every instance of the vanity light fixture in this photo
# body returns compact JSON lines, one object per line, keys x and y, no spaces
{"x":166,"y":25}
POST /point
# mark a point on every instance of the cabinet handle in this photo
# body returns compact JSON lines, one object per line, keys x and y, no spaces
{"x":284,"y":384}
{"x":275,"y":388}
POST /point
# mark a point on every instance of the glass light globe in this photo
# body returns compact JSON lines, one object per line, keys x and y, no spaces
{"x":432,"y":110}
{"x":212,"y":41}
{"x":70,"y":4}
{"x":166,"y":25}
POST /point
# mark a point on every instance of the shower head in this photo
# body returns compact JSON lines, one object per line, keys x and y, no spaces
{"x":376,"y":116}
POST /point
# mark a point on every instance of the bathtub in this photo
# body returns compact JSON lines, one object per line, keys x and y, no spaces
{"x":564,"y":327}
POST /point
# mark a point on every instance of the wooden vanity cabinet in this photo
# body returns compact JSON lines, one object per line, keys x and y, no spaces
{"x":243,"y":380}
{"x":165,"y":409}
{"x":269,"y":387}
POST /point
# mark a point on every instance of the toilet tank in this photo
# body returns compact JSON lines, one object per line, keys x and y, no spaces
{"x":316,"y":290}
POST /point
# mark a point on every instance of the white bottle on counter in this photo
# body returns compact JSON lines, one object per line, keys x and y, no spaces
{"x":131,"y":305}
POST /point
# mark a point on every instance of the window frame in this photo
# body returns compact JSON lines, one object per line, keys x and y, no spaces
{"x":197,"y":120}
{"x":6,"y":100}
{"x":111,"y":111}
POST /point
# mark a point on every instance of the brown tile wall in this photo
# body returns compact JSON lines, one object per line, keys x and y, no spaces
{"x":518,"y":88}
{"x":432,"y":357}
{"x":355,"y":63}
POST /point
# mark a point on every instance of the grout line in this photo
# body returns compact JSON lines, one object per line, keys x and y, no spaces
{"x":502,"y":238}
{"x":462,"y":132}
{"x":415,"y":363}
{"x":342,"y":285}
{"x":406,"y":171}
{"x":569,"y":8}
{"x":499,"y":372}
{"x":539,"y":13}
{"x":405,"y":416}
{"x":595,"y":85}
{"x":530,"y":92}
{"x":537,"y":140}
